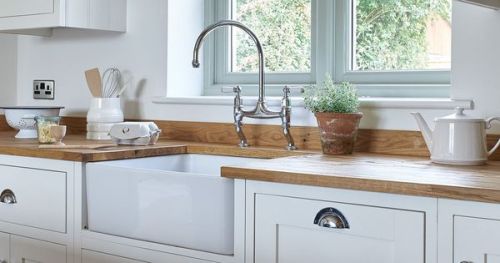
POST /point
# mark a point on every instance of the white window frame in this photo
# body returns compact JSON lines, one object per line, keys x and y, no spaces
{"x":331,"y":53}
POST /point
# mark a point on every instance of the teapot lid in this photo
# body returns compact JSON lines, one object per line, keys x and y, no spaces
{"x":459,"y":116}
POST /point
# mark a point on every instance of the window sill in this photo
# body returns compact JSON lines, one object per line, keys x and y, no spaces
{"x":382,"y":103}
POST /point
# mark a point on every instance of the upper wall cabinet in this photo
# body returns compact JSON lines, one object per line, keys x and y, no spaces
{"x":495,"y":4}
{"x":39,"y":17}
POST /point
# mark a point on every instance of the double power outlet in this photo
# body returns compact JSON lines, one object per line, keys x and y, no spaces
{"x":44,"y":89}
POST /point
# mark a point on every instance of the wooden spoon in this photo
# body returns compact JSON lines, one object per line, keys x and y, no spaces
{"x":94,"y":82}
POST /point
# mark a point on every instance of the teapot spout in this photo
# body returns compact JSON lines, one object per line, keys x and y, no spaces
{"x":424,"y":128}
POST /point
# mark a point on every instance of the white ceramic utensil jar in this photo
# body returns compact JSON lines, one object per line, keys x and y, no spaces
{"x":458,"y":138}
{"x":105,"y":110}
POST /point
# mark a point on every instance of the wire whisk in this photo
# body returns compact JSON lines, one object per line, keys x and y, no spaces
{"x":112,"y":83}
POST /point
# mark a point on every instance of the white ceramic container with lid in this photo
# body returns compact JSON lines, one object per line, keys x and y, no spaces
{"x":135,"y":133}
{"x":458,"y":138}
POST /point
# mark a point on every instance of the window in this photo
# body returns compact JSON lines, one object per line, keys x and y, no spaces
{"x":284,"y":29}
{"x":387,"y":48}
{"x":401,"y":35}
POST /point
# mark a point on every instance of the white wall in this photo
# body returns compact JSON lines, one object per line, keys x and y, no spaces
{"x":476,"y":57}
{"x":185,"y":21}
{"x":8,"y":67}
{"x":142,"y":54}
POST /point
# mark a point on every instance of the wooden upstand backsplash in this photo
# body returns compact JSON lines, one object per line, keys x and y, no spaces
{"x":409,"y":143}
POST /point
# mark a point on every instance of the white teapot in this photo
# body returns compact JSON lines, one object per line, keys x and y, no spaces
{"x":457,"y":139}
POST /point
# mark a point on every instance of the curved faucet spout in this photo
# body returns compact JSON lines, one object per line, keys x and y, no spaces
{"x":209,"y":29}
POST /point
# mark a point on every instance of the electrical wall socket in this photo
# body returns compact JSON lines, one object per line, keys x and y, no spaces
{"x":44,"y":89}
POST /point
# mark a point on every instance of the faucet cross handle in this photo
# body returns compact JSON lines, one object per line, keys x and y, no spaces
{"x":237,"y":99}
{"x":286,"y":91}
{"x":237,"y":90}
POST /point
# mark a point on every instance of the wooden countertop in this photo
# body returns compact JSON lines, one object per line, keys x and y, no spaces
{"x":377,"y":173}
{"x":29,"y":148}
{"x":366,"y":172}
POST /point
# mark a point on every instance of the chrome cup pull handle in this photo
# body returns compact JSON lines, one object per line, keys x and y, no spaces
{"x":8,"y":197}
{"x":331,"y":218}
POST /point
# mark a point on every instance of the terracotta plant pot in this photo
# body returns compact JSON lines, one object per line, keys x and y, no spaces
{"x":338,"y":131}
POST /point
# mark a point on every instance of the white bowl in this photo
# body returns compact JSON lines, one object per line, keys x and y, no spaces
{"x":23,"y":119}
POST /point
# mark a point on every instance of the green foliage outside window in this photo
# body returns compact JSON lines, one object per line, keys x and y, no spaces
{"x":284,"y":29}
{"x":389,"y":34}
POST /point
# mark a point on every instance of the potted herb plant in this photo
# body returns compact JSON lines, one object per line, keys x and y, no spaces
{"x":336,"y":109}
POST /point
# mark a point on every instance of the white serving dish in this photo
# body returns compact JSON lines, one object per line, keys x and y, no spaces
{"x":178,"y":200}
{"x":23,"y":119}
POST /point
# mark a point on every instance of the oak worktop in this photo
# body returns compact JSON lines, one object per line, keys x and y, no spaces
{"x":366,"y":172}
{"x":30,"y":148}
{"x":378,"y":173}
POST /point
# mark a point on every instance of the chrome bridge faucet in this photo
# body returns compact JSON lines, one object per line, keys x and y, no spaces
{"x":261,"y":110}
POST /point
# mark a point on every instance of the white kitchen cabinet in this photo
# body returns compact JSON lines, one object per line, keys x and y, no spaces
{"x":25,"y":191}
{"x":36,"y":210}
{"x":25,"y":7}
{"x":26,"y":250}
{"x":469,"y":232}
{"x":476,"y":240}
{"x":287,"y":230}
{"x":284,"y":224}
{"x":4,"y":247}
{"x":39,"y":17}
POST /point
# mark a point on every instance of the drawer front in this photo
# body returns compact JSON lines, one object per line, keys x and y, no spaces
{"x":285,"y":231}
{"x":476,"y":240}
{"x":26,"y":250}
{"x":10,"y":8}
{"x":39,"y":198}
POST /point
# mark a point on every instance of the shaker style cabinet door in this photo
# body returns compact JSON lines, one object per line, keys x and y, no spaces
{"x":11,"y":8}
{"x":293,"y":230}
{"x":476,"y":240}
{"x":4,"y":248}
{"x":26,"y":250}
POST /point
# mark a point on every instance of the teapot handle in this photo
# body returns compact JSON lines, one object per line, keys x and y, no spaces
{"x":488,"y":125}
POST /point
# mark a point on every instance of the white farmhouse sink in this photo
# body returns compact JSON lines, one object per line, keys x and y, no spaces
{"x":178,"y":200}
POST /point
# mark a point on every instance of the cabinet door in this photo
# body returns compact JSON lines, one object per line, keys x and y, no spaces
{"x":96,"y":257}
{"x":26,"y":250}
{"x":285,"y":231}
{"x":4,"y":247}
{"x":9,"y":8}
{"x":476,"y":240}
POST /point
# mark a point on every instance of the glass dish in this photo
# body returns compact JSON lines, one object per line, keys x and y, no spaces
{"x":43,"y":124}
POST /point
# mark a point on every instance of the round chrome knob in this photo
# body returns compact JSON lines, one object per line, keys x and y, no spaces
{"x":8,"y":197}
{"x":331,"y":218}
